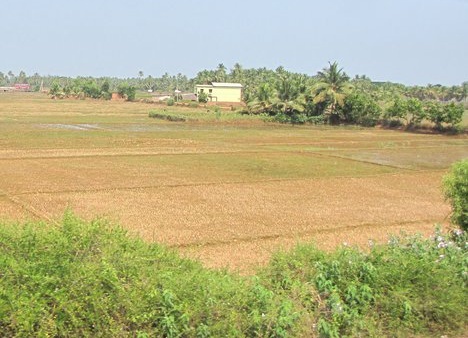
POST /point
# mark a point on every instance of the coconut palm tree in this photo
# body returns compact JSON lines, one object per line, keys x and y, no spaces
{"x":464,"y":91}
{"x":291,"y":90}
{"x":220,"y":73}
{"x":237,"y":74}
{"x":331,"y":88}
{"x":284,"y":94}
{"x":263,"y":100}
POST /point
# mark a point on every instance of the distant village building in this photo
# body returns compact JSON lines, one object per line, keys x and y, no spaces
{"x":221,"y":91}
{"x":17,"y":87}
{"x":25,"y":87}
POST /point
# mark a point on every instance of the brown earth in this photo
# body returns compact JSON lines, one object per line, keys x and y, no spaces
{"x":228,"y":193}
{"x":239,"y":225}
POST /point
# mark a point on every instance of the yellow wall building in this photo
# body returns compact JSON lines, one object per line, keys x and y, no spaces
{"x":221,"y":91}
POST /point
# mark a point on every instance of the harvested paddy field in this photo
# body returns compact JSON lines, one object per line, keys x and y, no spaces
{"x":228,"y":189}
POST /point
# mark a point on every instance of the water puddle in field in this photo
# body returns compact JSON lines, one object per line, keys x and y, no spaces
{"x":163,"y":127}
{"x":71,"y":126}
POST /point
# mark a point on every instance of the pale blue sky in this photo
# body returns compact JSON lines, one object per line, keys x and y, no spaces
{"x":406,"y":41}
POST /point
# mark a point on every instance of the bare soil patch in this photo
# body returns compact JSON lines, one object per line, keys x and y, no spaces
{"x":201,"y":219}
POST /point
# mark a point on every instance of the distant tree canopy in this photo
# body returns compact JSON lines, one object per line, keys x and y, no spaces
{"x":81,"y":88}
{"x":330,"y":96}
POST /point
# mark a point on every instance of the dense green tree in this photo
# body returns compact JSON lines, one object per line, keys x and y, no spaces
{"x":396,"y":112}
{"x":453,"y":114}
{"x":434,"y":113}
{"x":105,"y":90}
{"x":414,"y":111}
{"x":55,"y":91}
{"x":464,"y":91}
{"x":220,"y":73}
{"x":332,"y":87}
{"x":127,"y":91}
{"x":91,"y":89}
{"x":364,"y":85}
{"x":440,"y":114}
{"x":290,"y":91}
{"x":11,"y":77}
{"x":263,"y":99}
{"x":360,"y":108}
{"x":205,"y":76}
{"x":237,"y":74}
{"x":149,"y":83}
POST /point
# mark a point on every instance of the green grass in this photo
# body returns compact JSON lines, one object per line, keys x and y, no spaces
{"x":81,"y":278}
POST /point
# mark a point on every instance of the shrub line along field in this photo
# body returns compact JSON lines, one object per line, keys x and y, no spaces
{"x":228,"y":190}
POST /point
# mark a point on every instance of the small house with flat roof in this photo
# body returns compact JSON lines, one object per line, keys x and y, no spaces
{"x":221,"y":91}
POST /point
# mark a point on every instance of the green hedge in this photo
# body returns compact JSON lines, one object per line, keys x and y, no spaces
{"x":167,"y":117}
{"x":92,"y":279}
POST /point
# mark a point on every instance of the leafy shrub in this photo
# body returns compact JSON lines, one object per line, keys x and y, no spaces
{"x":434,"y":113}
{"x":84,"y":279}
{"x":453,"y":114}
{"x":202,"y":97}
{"x":414,"y":112}
{"x":449,"y":114}
{"x":91,"y":89}
{"x":106,"y":95}
{"x":411,"y":286}
{"x":361,"y":109}
{"x":170,"y":102}
{"x":127,"y":91}
{"x":396,"y":111}
{"x":320,"y":119}
{"x":456,"y":191}
{"x":410,"y":110}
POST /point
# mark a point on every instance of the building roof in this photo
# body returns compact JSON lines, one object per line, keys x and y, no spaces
{"x":226,"y":84}
{"x":222,"y":84}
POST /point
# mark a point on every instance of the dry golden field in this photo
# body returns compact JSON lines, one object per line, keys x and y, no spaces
{"x":228,"y":190}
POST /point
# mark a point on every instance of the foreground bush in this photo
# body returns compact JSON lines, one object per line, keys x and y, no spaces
{"x":412,"y":286}
{"x":456,"y":191}
{"x":90,"y":279}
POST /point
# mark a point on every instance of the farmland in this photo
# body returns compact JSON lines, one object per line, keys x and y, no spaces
{"x":227,"y":189}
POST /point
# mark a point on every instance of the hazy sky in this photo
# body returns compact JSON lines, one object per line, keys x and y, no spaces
{"x":406,"y":41}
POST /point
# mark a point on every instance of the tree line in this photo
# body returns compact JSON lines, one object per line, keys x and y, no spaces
{"x":330,"y":96}
{"x":250,"y":78}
